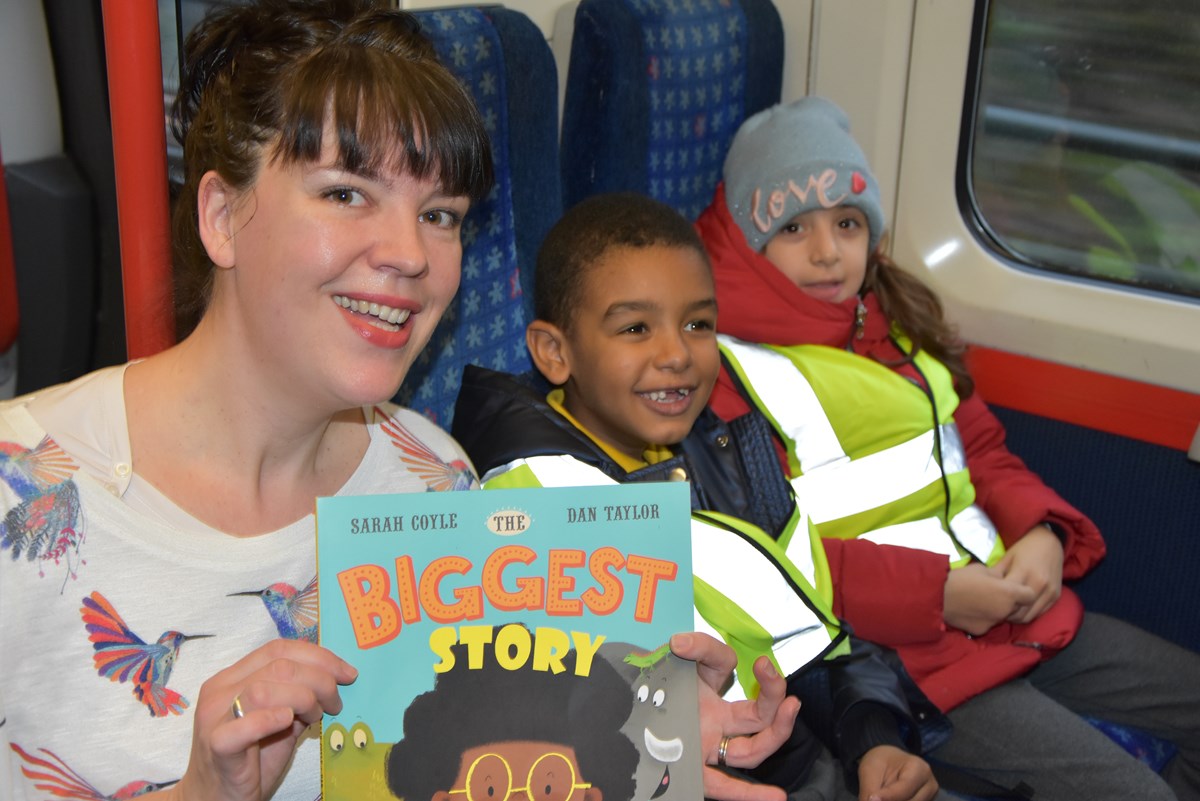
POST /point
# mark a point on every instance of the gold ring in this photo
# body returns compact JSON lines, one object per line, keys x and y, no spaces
{"x":723,"y":750}
{"x":238,"y":712}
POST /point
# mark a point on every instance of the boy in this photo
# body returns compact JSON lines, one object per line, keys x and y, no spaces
{"x":626,"y":335}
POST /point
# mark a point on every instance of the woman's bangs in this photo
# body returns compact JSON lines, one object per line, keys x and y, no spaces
{"x":388,"y":114}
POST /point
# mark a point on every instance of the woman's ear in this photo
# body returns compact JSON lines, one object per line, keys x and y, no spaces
{"x":549,"y":350}
{"x":214,"y":208}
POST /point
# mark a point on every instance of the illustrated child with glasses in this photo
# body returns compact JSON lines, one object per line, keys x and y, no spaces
{"x":494,"y":734}
{"x":625,"y":345}
{"x":941,"y":544}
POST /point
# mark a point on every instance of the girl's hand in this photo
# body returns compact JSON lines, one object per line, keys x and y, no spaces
{"x":281,"y":688}
{"x":888,"y":773}
{"x":756,"y":729}
{"x":977,"y":597}
{"x":1036,"y":561}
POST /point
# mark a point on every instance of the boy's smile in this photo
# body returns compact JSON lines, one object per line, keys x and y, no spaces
{"x":641,"y":348}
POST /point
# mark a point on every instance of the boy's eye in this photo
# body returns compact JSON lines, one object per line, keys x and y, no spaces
{"x":700,"y":325}
{"x":636,"y":328}
{"x":442,"y":218}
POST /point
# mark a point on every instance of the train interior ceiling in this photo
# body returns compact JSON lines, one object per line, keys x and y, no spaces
{"x":1040,"y":166}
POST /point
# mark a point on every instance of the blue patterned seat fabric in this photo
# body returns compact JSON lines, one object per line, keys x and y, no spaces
{"x":656,"y":90}
{"x":506,"y":63}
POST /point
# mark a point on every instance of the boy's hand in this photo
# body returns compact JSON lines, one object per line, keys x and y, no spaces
{"x":1036,"y":561}
{"x":977,"y":597}
{"x":887,"y":773}
{"x":756,"y":729}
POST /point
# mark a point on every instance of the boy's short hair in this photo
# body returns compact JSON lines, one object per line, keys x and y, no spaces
{"x":587,"y":232}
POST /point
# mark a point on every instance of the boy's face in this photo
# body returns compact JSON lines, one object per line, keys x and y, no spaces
{"x":642,"y":348}
{"x":824,"y":252}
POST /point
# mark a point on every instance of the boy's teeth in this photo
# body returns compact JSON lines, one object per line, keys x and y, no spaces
{"x":661,"y":394}
{"x":385,"y":313}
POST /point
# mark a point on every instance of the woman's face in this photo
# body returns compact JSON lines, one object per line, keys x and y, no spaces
{"x":335,"y":280}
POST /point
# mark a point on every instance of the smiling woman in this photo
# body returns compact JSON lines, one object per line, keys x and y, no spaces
{"x":329,"y":160}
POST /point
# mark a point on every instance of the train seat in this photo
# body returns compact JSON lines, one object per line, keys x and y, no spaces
{"x":504,"y":60}
{"x":655,"y":91}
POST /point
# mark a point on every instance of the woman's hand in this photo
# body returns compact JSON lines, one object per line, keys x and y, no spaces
{"x":281,"y":688}
{"x":977,"y":597}
{"x":1036,"y":561}
{"x":756,"y":728}
{"x":888,"y":773}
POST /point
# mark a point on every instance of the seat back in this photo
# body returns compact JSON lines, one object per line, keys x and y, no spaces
{"x":656,"y":90}
{"x":504,"y":60}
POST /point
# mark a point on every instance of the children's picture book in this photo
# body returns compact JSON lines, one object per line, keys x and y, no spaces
{"x":512,"y":645}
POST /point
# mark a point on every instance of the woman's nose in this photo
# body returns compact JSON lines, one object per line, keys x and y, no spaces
{"x":398,"y":245}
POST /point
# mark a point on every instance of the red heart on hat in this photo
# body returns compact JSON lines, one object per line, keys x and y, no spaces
{"x":857,"y":183}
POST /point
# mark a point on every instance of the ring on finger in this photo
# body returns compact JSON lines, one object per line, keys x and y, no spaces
{"x":723,"y":750}
{"x":238,"y":712}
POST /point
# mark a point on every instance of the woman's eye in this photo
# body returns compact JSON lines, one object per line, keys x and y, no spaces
{"x":344,"y":195}
{"x":442,"y":218}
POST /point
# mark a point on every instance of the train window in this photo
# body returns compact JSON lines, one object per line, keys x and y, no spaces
{"x":1084,"y":158}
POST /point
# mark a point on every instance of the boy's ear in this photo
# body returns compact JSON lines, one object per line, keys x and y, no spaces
{"x":549,"y":350}
{"x":214,"y":210}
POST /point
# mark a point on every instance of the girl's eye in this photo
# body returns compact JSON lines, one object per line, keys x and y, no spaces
{"x":442,"y":218}
{"x":636,"y":328}
{"x":700,"y":325}
{"x":792,"y":228}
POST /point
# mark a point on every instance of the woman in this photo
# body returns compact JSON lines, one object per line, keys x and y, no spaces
{"x":157,"y":619}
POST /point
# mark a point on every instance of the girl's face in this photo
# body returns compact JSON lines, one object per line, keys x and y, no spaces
{"x":824,"y":252}
{"x":334,"y":281}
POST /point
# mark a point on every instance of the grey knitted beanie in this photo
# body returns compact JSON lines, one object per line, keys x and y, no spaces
{"x":794,"y":158}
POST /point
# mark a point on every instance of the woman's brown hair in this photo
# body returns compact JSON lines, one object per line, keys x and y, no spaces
{"x":263,"y":81}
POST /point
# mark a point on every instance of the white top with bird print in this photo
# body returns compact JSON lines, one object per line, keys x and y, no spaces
{"x":112,"y":613}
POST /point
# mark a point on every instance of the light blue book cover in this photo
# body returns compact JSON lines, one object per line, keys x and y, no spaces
{"x":511,"y":644}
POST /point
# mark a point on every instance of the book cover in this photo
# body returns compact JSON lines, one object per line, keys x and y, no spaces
{"x":511,"y":645}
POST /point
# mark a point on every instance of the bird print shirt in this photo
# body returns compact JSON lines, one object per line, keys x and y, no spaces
{"x":115,"y":606}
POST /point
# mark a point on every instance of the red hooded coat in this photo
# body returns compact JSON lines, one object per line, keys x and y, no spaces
{"x":889,"y":594}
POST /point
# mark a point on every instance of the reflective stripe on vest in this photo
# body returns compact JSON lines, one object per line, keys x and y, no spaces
{"x":748,"y":592}
{"x":831,"y":485}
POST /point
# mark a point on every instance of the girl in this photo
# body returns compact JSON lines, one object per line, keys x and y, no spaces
{"x":941,"y":544}
{"x":157,"y":584}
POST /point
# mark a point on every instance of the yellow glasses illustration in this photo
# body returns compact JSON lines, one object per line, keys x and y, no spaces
{"x":551,"y":778}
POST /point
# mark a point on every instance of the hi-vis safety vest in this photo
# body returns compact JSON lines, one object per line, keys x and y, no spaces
{"x":758,"y":594}
{"x":883,"y":470}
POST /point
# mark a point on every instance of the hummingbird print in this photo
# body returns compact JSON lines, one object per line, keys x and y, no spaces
{"x":122,"y":656}
{"x":52,"y":775}
{"x":439,"y":476}
{"x":44,"y":525}
{"x":293,"y":611}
